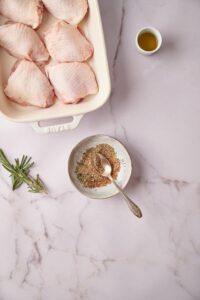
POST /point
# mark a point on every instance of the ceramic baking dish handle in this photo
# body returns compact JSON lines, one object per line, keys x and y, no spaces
{"x":57,"y":128}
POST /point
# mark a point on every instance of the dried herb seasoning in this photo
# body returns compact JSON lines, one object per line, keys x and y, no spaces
{"x":89,"y":169}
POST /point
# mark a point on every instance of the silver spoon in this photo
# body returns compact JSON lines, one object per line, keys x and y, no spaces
{"x":106,"y":172}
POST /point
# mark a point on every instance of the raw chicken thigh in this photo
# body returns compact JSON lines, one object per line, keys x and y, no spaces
{"x":72,"y":81}
{"x":27,"y":85}
{"x":71,"y":11}
{"x":29,"y":12}
{"x":65,"y":43}
{"x":22,"y":41}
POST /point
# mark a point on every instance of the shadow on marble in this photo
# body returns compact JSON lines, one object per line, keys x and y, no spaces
{"x":113,"y":32}
{"x":169,"y":45}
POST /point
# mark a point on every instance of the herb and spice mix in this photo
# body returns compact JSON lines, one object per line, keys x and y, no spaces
{"x":88,"y":170}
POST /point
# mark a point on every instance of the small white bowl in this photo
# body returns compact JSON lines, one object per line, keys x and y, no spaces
{"x":155,"y":32}
{"x":123,"y":175}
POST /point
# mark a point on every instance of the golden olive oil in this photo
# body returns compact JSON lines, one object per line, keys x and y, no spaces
{"x":147,"y":41}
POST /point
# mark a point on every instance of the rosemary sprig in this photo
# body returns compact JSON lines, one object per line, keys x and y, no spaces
{"x":24,"y":165}
{"x":19,"y":173}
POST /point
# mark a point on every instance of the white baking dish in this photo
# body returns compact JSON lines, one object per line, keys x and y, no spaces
{"x":92,"y":27}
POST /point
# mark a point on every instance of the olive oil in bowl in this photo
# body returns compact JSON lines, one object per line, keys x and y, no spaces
{"x":147,"y":41}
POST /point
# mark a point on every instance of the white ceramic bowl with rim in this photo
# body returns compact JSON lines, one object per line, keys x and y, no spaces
{"x":156,"y":33}
{"x":123,"y":175}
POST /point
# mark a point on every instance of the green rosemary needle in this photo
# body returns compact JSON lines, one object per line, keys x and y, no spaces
{"x":19,"y":173}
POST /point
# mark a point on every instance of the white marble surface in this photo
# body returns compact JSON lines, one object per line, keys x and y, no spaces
{"x":64,"y":246}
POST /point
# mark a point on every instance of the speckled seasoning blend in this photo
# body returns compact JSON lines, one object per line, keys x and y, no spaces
{"x":88,"y":170}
